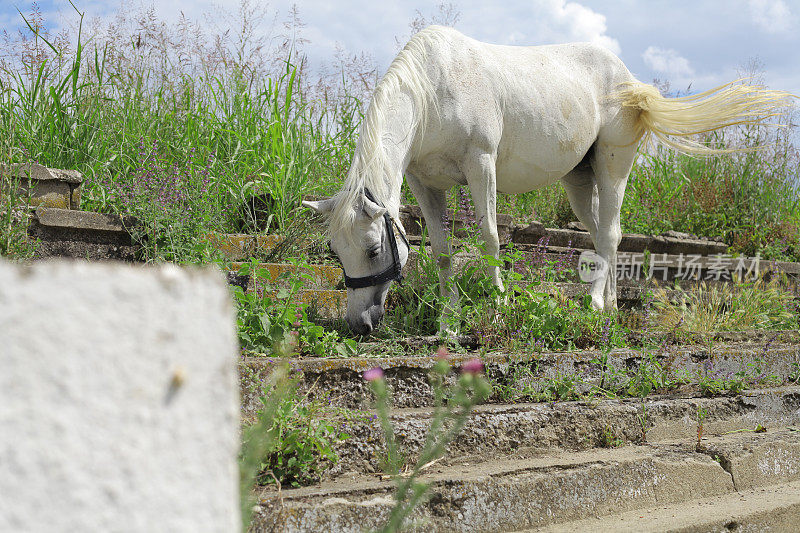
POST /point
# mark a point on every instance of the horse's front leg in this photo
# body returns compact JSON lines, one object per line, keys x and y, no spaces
{"x":479,"y":169}
{"x":433,"y":204}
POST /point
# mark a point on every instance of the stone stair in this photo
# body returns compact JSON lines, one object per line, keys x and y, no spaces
{"x":574,"y":466}
{"x":644,"y":261}
{"x":773,"y":354}
{"x":629,"y":464}
{"x":550,"y":488}
{"x":772,"y":508}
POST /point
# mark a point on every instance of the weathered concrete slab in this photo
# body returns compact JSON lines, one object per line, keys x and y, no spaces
{"x":49,"y":187}
{"x":775,"y":508}
{"x":118,"y":399}
{"x":322,"y":303}
{"x":241,"y":246}
{"x":631,"y":242}
{"x":408,"y":376}
{"x":522,"y":491}
{"x":660,"y":267}
{"x":758,"y":459}
{"x":507,"y":495}
{"x":82,"y":234}
{"x":508,"y":430}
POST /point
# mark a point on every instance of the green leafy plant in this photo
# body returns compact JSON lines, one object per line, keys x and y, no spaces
{"x":609,"y":439}
{"x":303,"y":435}
{"x":562,"y":387}
{"x":14,"y":206}
{"x":725,"y":307}
{"x":414,"y":307}
{"x":700,"y":416}
{"x":258,"y":439}
{"x":451,"y":410}
{"x":270,"y":320}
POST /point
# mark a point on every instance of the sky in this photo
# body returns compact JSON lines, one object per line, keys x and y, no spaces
{"x":702,"y":43}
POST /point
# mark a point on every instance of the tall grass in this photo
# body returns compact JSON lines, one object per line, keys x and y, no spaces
{"x":750,"y":200}
{"x":267,"y":131}
{"x":262,"y":138}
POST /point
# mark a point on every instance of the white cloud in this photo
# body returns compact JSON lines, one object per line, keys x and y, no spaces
{"x":579,"y":23}
{"x":772,"y":16}
{"x":540,"y":22}
{"x":667,"y":61}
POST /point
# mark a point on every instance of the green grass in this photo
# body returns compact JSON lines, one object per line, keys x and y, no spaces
{"x":265,"y":141}
{"x":118,"y":126}
{"x":725,"y":307}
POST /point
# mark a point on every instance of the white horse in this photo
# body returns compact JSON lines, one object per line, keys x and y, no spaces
{"x":454,"y":111}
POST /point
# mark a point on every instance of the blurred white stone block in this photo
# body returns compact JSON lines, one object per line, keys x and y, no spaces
{"x":118,"y":399}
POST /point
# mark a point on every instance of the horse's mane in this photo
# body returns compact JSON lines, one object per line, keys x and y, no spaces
{"x":370,"y":167}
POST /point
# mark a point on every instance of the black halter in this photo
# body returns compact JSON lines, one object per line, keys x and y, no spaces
{"x":391,"y":273}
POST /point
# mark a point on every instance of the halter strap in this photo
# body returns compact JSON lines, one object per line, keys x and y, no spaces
{"x":394,"y":271}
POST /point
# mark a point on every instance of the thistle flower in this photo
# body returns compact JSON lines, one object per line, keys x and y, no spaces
{"x":473,"y":366}
{"x":373,"y":374}
{"x":443,"y":353}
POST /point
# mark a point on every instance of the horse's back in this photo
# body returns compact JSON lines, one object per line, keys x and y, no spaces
{"x":538,"y":108}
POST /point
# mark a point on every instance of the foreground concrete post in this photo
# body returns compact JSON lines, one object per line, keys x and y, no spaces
{"x":118,"y":399}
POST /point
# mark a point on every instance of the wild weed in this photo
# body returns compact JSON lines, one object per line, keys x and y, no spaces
{"x":271,"y":320}
{"x":14,"y":208}
{"x":303,"y":435}
{"x":447,"y":421}
{"x":725,"y":307}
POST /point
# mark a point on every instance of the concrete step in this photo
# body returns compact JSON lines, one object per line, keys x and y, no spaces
{"x":511,"y":494}
{"x":633,"y":268}
{"x":511,"y":231}
{"x":659,"y":267}
{"x":326,"y":304}
{"x":47,"y":187}
{"x":323,"y":291}
{"x":669,"y":243}
{"x":82,"y":235}
{"x":772,"y":508}
{"x":242,"y":246}
{"x":775,"y":358}
{"x":518,"y":429}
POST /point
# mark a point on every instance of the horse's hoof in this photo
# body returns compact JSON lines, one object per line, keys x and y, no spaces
{"x":448,"y":333}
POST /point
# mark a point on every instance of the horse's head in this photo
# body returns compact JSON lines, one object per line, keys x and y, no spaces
{"x":371,"y":255}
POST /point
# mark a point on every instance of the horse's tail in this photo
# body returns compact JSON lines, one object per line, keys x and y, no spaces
{"x":674,"y":121}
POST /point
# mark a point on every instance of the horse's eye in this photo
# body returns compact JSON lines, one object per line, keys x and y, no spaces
{"x":372,"y":253}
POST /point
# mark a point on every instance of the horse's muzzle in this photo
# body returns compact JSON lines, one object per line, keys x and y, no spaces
{"x":364,"y":323}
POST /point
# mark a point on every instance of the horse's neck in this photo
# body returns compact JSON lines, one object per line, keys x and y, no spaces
{"x":399,"y":136}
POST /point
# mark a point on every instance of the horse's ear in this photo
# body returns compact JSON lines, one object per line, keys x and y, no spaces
{"x":372,"y":209}
{"x":322,"y":207}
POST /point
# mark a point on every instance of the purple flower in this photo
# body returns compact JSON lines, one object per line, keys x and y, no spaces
{"x":473,"y":366}
{"x":442,"y":353}
{"x":373,"y":374}
{"x":606,"y":331}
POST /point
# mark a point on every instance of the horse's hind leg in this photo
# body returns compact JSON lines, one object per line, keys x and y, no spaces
{"x":581,"y":190}
{"x":433,"y":204}
{"x":611,"y":164}
{"x":582,"y":194}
